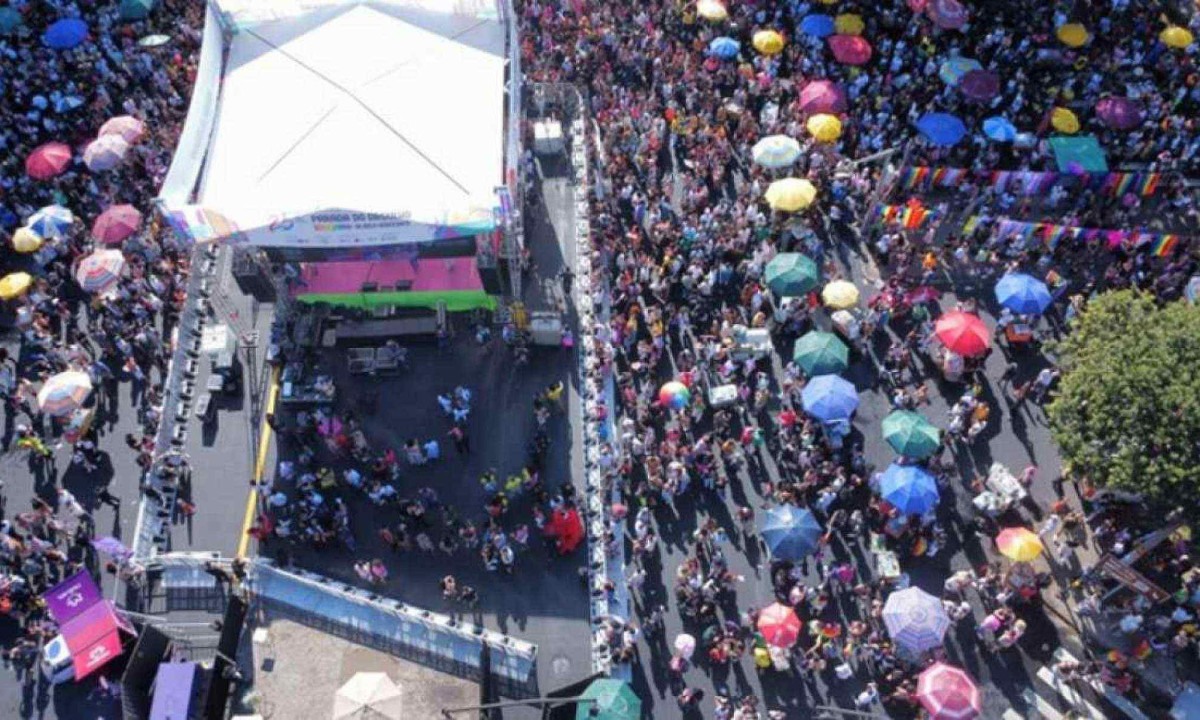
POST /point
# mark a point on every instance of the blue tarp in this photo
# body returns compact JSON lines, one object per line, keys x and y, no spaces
{"x":1081,"y":153}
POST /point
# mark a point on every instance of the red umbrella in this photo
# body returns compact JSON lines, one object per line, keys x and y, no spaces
{"x":48,"y":160}
{"x":116,"y":223}
{"x":962,"y":333}
{"x":850,"y":49}
{"x":948,"y":693}
{"x":779,"y":625}
{"x":822,"y":96}
{"x":1119,"y":113}
{"x":947,"y":14}
{"x":980,"y":85}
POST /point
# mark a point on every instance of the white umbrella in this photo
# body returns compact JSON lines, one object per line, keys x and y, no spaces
{"x":685,"y":644}
{"x":105,"y":152}
{"x":776,"y":151}
{"x":368,"y":695}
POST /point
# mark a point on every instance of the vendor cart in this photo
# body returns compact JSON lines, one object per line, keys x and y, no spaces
{"x":750,"y":343}
{"x":848,"y":325}
{"x":1003,"y":483}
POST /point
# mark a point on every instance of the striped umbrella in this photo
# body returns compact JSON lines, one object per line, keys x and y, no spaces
{"x":64,"y":393}
{"x":100,"y":271}
{"x":915,"y":619}
{"x":948,"y":693}
{"x":51,"y":222}
{"x":105,"y":153}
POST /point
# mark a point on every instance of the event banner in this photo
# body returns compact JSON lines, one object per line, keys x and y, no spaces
{"x":71,"y":597}
{"x":1029,"y":182}
{"x":1159,"y":244}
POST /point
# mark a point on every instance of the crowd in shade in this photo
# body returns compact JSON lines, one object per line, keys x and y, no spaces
{"x":94,"y":98}
{"x":728,"y":199}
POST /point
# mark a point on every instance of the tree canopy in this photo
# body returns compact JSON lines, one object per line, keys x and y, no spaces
{"x":1127,"y":414}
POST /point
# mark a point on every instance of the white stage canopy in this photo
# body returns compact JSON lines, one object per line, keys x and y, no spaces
{"x":342,"y":124}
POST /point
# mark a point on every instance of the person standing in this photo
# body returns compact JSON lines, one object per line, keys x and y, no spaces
{"x":462,"y":443}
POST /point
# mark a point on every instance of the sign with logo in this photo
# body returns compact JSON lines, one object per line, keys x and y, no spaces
{"x":71,"y":597}
{"x":1132,"y":579}
{"x":95,"y":657}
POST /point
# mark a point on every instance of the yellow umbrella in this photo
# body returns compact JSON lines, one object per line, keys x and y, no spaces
{"x":790,"y":194}
{"x":768,"y":42}
{"x":840,"y":294}
{"x":711,"y":10}
{"x":14,"y":285}
{"x":825,"y":128}
{"x":1072,"y":34}
{"x":1176,"y":37}
{"x":829,"y":2}
{"x":25,"y":240}
{"x":1019,"y":544}
{"x":848,"y":24}
{"x":1064,"y":121}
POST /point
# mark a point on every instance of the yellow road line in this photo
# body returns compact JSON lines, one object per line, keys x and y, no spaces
{"x":264,"y":444}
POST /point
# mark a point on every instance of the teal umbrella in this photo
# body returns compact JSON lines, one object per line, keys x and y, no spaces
{"x":821,"y":353}
{"x":910,"y":434}
{"x":10,"y":20}
{"x":791,"y":274}
{"x":614,"y":700}
{"x":136,"y":9}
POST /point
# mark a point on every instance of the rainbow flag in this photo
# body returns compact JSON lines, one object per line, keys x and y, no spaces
{"x":1150,"y":184}
{"x":1165,"y":245}
{"x":1122,"y":186}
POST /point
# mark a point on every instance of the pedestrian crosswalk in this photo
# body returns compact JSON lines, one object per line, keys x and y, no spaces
{"x":1066,"y":703}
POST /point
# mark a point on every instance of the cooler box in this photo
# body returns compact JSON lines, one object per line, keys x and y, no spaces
{"x":722,"y":396}
{"x":547,"y":137}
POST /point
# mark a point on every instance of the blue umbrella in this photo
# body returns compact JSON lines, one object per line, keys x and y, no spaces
{"x":1023,"y":294}
{"x":52,"y":221}
{"x":829,"y":397}
{"x":1187,"y":703}
{"x":790,"y":533}
{"x":65,"y":34}
{"x":941,"y":129}
{"x":725,"y":48}
{"x":818,"y":25}
{"x":909,"y":489}
{"x":999,"y":129}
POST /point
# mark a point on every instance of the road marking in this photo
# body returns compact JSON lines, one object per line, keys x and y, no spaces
{"x":1041,"y":706}
{"x":1068,"y":693}
{"x":264,"y":444}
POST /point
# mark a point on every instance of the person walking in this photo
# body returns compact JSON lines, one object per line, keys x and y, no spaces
{"x":462,"y":443}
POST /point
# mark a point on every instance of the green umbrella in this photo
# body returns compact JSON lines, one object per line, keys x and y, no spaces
{"x":136,"y":9}
{"x":791,"y":274}
{"x":821,"y":353}
{"x":614,"y":699}
{"x":910,"y":434}
{"x":10,"y":20}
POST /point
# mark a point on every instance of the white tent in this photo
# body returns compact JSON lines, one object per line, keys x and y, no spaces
{"x":351,"y":124}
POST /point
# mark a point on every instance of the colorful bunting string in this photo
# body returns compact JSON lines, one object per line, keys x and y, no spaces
{"x":1051,"y":234}
{"x":1030,"y":182}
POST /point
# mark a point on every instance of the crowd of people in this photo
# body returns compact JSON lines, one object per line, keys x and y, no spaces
{"x":101,"y":338}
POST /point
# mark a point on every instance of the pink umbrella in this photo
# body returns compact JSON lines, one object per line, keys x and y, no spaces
{"x":127,"y":126}
{"x":48,"y":160}
{"x":116,"y":223}
{"x":980,"y":85}
{"x":822,"y":96}
{"x":1119,"y":113}
{"x":850,"y":49}
{"x":105,"y":153}
{"x":917,"y":5}
{"x":948,"y":693}
{"x":947,"y":14}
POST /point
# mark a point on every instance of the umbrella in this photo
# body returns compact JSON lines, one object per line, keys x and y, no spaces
{"x":941,"y":128}
{"x":685,"y":644}
{"x":818,"y":25}
{"x":829,"y":397}
{"x":725,"y":48}
{"x":64,"y":393}
{"x":768,"y":42}
{"x":947,"y":14}
{"x":840,"y":294}
{"x":775,"y":151}
{"x":909,"y":489}
{"x":824,"y":128}
{"x":674,"y":395}
{"x":105,"y":153}
{"x":152,"y":41}
{"x":790,"y":194}
{"x":14,"y":285}
{"x":980,"y":85}
{"x":65,"y":34}
{"x":116,"y":223}
{"x":127,"y":126}
{"x":98,"y":272}
{"x":910,"y":434}
{"x":1119,"y":113}
{"x":848,"y":24}
{"x":25,"y":240}
{"x":1176,"y":37}
{"x":791,"y":274}
{"x":1019,"y":544}
{"x":948,"y":693}
{"x":136,"y":9}
{"x":711,"y":10}
{"x":962,"y":333}
{"x":1064,"y":121}
{"x":1023,"y":294}
{"x":953,"y":69}
{"x":821,"y":353}
{"x":915,"y":619}
{"x":850,"y":49}
{"x":368,"y":695}
{"x":10,"y":20}
{"x":112,"y":547}
{"x":822,"y":96}
{"x":614,"y":700}
{"x":790,"y":533}
{"x":1187,"y":703}
{"x":48,"y":160}
{"x":52,"y":221}
{"x":1072,"y":35}
{"x":779,"y":625}
{"x":999,"y":129}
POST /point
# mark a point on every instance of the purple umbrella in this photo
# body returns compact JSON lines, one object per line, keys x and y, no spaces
{"x":980,"y":85}
{"x":947,"y":14}
{"x":112,"y":547}
{"x":1119,"y":113}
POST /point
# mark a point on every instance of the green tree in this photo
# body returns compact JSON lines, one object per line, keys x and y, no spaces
{"x":1127,"y":414}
